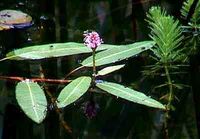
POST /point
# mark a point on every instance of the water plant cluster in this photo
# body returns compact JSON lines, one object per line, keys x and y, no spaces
{"x":170,"y":55}
{"x":31,"y":96}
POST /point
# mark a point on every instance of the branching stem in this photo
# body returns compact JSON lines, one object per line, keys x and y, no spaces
{"x":170,"y":99}
{"x":53,"y":101}
{"x":70,"y":73}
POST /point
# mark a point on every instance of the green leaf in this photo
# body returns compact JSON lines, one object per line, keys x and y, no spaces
{"x":32,"y":100}
{"x":118,"y":53}
{"x":109,"y":69}
{"x":51,"y":50}
{"x":73,"y":91}
{"x":129,"y":94}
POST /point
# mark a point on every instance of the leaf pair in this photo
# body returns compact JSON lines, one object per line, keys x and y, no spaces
{"x":32,"y":99}
{"x":111,"y":53}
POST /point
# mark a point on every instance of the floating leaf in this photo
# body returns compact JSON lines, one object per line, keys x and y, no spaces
{"x":73,"y":91}
{"x":14,"y":19}
{"x":118,"y":53}
{"x":129,"y":94}
{"x":32,"y":100}
{"x":109,"y":69}
{"x":51,"y":50}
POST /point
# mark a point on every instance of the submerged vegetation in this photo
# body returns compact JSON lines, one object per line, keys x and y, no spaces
{"x":169,"y":54}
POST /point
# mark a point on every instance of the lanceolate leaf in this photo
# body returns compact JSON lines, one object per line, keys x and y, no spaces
{"x":51,"y":50}
{"x":118,"y":53}
{"x":109,"y":69}
{"x":73,"y":91}
{"x":129,"y":94}
{"x":32,"y":100}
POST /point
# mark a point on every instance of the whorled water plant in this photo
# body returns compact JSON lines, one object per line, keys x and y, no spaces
{"x":192,"y":27}
{"x":167,"y":34}
{"x":168,"y":54}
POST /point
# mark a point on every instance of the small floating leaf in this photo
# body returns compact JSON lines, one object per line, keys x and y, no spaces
{"x":129,"y":94}
{"x":14,"y":19}
{"x":32,"y":100}
{"x":73,"y":91}
{"x":118,"y":53}
{"x":109,"y":69}
{"x":52,"y":50}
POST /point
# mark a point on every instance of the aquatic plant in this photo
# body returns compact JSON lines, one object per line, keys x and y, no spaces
{"x":32,"y":97}
{"x":14,"y":19}
{"x":191,"y":13}
{"x":168,"y":54}
{"x":194,"y":19}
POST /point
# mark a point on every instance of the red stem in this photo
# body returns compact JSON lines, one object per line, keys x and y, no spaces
{"x":34,"y":79}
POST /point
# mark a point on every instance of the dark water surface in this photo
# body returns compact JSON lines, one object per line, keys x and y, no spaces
{"x":118,"y":22}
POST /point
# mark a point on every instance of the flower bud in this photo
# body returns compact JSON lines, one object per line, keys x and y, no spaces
{"x":92,"y":39}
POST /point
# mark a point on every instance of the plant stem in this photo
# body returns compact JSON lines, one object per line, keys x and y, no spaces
{"x":73,"y":71}
{"x":93,"y":58}
{"x":170,"y":98}
{"x":58,"y":111}
{"x":16,"y":78}
{"x":53,"y":101}
{"x":94,"y":66}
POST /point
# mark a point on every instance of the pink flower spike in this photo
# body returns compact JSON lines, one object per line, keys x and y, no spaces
{"x":92,"y":39}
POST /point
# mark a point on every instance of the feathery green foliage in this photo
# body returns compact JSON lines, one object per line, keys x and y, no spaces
{"x":166,"y":32}
{"x":192,"y":30}
{"x":169,"y":55}
{"x":195,"y":19}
